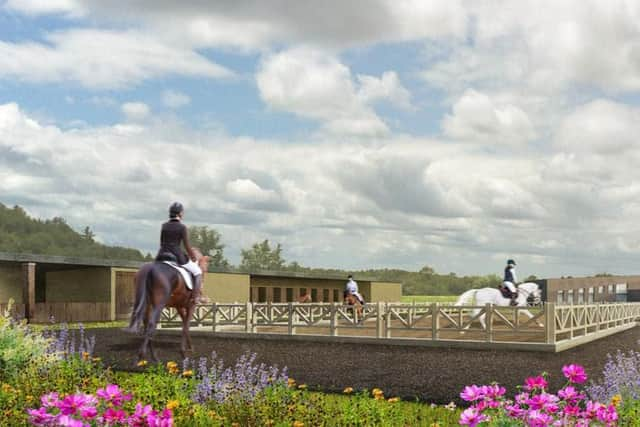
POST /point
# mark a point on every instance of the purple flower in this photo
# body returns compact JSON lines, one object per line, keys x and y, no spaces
{"x":493,"y":391}
{"x":68,"y":421}
{"x":472,"y":417}
{"x":574,"y":373}
{"x":471,"y":393}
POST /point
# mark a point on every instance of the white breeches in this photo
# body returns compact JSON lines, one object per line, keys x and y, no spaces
{"x":193,"y":268}
{"x":510,"y":285}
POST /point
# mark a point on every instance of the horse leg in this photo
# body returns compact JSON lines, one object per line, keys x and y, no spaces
{"x":142,"y":353}
{"x":185,"y":343}
{"x":530,"y":316}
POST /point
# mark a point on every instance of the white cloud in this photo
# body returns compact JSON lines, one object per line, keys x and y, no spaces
{"x":387,"y":87}
{"x":101,"y":59}
{"x":135,"y":111}
{"x":408,"y":201}
{"x":602,"y":127}
{"x":314,"y":84}
{"x":255,"y":25}
{"x":45,"y":7}
{"x":175,"y":99}
{"x":477,"y":118}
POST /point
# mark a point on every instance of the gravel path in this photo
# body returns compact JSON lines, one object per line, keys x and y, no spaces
{"x":430,"y":374}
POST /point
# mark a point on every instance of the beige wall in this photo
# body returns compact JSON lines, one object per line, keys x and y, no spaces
{"x":83,"y":285}
{"x":11,"y":283}
{"x":386,"y":292}
{"x":226,"y":287}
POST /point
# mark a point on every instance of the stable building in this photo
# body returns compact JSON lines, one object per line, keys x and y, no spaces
{"x":48,"y":288}
{"x":587,"y":290}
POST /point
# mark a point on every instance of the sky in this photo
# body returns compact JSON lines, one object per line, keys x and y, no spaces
{"x":359,"y":134}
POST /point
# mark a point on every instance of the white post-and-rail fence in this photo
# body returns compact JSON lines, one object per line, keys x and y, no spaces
{"x":553,"y":327}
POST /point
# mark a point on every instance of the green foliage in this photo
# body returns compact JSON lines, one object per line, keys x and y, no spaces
{"x":262,"y":257}
{"x":20,"y":233}
{"x":19,"y":346}
{"x":208,"y":241}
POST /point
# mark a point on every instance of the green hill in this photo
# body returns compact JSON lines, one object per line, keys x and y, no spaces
{"x":19,"y":233}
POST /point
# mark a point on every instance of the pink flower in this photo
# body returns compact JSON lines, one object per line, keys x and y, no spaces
{"x":493,"y":391}
{"x":68,"y":421}
{"x":515,"y":411}
{"x":570,"y":394}
{"x":592,"y":409}
{"x":542,"y":401}
{"x":113,"y":416}
{"x":574,"y":373}
{"x":472,"y":417}
{"x":571,"y":410}
{"x":165,"y":419}
{"x":72,"y":403}
{"x":607,"y":414}
{"x":471,"y":393}
{"x":40,"y":417}
{"x":139,"y":417}
{"x":535,"y":383}
{"x":537,"y":418}
{"x":522,"y":398}
{"x":112,"y":393}
{"x":88,"y":412}
{"x":49,"y":400}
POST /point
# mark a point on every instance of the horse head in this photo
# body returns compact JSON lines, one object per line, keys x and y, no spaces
{"x":531,"y":290}
{"x":201,"y":260}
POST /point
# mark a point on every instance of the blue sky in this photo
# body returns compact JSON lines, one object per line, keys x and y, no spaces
{"x":362,"y":134}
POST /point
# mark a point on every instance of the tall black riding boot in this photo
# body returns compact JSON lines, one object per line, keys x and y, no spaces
{"x":197,"y":289}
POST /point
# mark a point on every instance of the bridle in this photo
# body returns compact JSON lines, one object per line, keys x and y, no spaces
{"x":528,"y":293}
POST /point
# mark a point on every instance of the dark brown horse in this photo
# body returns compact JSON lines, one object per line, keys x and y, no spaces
{"x":160,"y":286}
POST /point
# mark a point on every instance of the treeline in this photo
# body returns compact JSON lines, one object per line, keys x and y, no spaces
{"x":19,"y":233}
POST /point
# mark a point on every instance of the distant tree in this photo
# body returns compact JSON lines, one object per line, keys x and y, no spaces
{"x":262,"y":257}
{"x":87,"y":234}
{"x":531,"y":278}
{"x":208,"y":241}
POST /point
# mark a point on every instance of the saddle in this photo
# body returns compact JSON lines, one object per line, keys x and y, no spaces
{"x":506,"y":292}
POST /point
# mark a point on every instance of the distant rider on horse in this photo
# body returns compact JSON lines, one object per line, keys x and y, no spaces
{"x":173,"y":234}
{"x":510,"y":280}
{"x":351,"y":288}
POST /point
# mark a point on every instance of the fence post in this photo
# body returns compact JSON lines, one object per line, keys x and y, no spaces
{"x":214,"y":312}
{"x":379,"y":321}
{"x":333,"y":320}
{"x":435,"y":320}
{"x":290,"y":318}
{"x":489,"y":321}
{"x":387,"y":321}
{"x":248,"y":321}
{"x":550,"y":322}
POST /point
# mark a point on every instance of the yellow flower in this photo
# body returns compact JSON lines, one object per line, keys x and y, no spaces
{"x":188,"y":373}
{"x":302,"y":386}
{"x":235,"y":424}
{"x":291,"y":382}
{"x":172,"y":365}
{"x":173,"y":404}
{"x":212,"y":413}
{"x":393,"y":399}
{"x":85,"y":355}
{"x":348,"y":390}
{"x":376,"y":391}
{"x":97,"y":359}
{"x":142,"y":363}
{"x":616,"y":399}
{"x":7,"y":388}
{"x":379,"y":397}
{"x":29,"y":398}
{"x":298,"y":424}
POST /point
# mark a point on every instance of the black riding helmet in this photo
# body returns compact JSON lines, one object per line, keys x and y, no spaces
{"x":175,"y":209}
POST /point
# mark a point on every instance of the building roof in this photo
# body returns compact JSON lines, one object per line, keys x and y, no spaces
{"x":97,"y":262}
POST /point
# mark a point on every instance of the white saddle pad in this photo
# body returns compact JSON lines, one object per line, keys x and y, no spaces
{"x":185,"y":274}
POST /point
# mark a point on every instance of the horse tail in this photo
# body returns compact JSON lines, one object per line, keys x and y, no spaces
{"x":466,"y":297}
{"x":139,"y":306}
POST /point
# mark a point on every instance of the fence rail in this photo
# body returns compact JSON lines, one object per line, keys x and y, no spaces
{"x":551,"y":327}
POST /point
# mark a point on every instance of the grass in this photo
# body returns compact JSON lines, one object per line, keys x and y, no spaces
{"x":428,"y":298}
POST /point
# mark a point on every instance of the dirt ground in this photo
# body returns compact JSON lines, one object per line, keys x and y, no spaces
{"x":429,"y":374}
